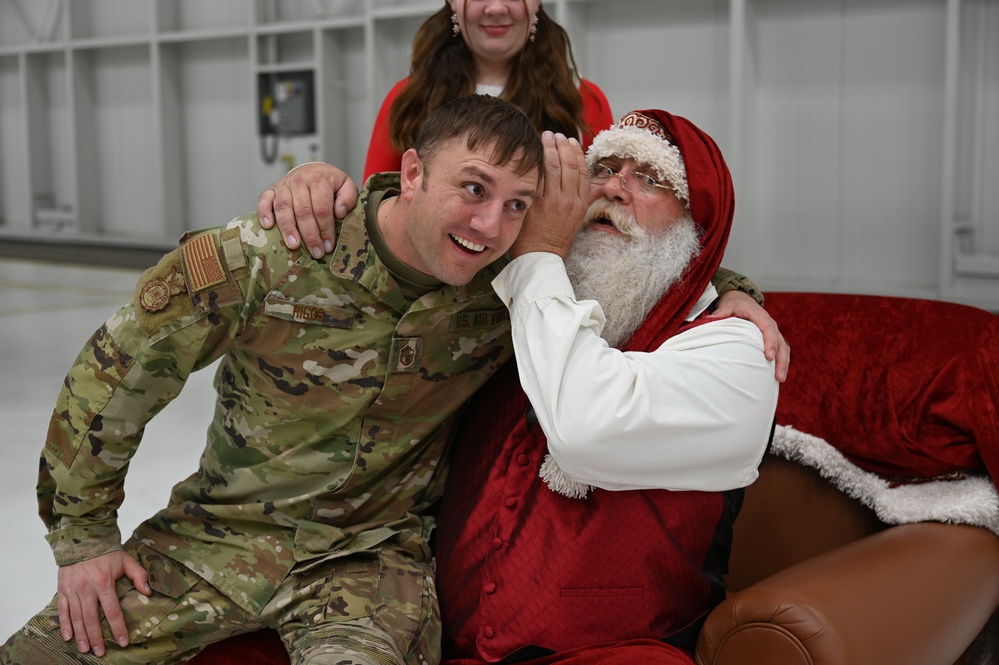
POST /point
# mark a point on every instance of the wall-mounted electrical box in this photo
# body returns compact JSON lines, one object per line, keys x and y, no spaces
{"x":287,"y":102}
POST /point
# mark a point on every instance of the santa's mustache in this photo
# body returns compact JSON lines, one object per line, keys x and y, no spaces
{"x":604,"y":211}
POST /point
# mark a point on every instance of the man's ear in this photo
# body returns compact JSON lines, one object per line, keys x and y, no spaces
{"x":410,"y":173}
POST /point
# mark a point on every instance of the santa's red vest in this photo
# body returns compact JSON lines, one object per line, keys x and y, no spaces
{"x":521,"y":568}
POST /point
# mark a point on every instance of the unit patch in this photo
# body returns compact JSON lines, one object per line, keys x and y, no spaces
{"x":156,"y":293}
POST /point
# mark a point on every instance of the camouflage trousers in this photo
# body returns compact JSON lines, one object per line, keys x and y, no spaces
{"x":375,"y":608}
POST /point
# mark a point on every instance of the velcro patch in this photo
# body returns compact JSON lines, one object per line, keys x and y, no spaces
{"x":202,"y":264}
{"x":232,"y":247}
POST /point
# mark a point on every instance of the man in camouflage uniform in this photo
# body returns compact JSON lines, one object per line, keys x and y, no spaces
{"x":338,"y":383}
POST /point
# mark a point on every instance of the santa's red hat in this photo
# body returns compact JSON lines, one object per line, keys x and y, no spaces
{"x":691,"y":162}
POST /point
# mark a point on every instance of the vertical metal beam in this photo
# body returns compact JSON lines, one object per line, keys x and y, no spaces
{"x":952,"y":58}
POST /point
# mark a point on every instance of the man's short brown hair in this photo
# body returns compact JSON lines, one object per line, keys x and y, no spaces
{"x":483,"y":120}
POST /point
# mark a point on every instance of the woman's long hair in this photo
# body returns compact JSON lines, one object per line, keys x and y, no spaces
{"x":542,"y":79}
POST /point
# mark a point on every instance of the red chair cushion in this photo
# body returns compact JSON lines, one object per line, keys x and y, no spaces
{"x":903,"y":387}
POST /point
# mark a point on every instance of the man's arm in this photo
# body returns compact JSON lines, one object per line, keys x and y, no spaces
{"x":132,"y":367}
{"x":726,"y":281}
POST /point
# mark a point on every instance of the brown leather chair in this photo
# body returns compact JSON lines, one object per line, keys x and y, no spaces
{"x":816,"y":578}
{"x":909,"y":388}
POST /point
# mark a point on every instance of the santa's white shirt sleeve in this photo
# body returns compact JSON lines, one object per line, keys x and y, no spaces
{"x":695,"y":414}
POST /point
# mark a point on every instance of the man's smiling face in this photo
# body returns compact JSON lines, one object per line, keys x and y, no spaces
{"x":465,"y":211}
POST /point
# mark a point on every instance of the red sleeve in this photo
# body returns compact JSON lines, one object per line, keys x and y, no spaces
{"x":596,"y":110}
{"x":381,"y":155}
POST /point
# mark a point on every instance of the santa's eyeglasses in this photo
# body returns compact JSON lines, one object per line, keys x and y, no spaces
{"x":635,"y":182}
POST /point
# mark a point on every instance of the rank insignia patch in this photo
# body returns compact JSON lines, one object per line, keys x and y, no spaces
{"x":156,"y":293}
{"x":202,"y":263}
{"x":406,"y":354}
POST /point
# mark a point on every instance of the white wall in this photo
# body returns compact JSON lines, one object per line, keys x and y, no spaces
{"x":861,"y":133}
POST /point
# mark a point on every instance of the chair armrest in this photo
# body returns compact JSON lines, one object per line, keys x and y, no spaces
{"x":915,"y":594}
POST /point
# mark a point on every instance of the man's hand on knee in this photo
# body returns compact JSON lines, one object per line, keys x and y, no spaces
{"x":87,"y":588}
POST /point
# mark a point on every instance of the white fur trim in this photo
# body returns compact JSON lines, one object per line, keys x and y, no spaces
{"x":646,"y":148}
{"x":971,"y":500}
{"x":555,"y":478}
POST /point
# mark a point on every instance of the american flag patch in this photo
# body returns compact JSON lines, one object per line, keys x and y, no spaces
{"x":204,"y":267}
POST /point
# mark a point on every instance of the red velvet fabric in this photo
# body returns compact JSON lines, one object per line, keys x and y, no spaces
{"x":633,"y":652}
{"x":519,"y":565}
{"x":262,"y":647}
{"x":903,"y":387}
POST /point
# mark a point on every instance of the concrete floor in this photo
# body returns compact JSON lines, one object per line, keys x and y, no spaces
{"x":47,"y":313}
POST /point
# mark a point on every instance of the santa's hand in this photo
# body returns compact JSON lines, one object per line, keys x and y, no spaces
{"x":557,"y":213}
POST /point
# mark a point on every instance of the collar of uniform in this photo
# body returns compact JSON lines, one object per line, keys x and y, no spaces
{"x":354,"y":258}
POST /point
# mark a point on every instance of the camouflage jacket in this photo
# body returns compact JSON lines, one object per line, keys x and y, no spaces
{"x":334,"y":402}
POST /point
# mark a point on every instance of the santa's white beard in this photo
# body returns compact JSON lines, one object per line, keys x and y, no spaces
{"x":628,"y":274}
